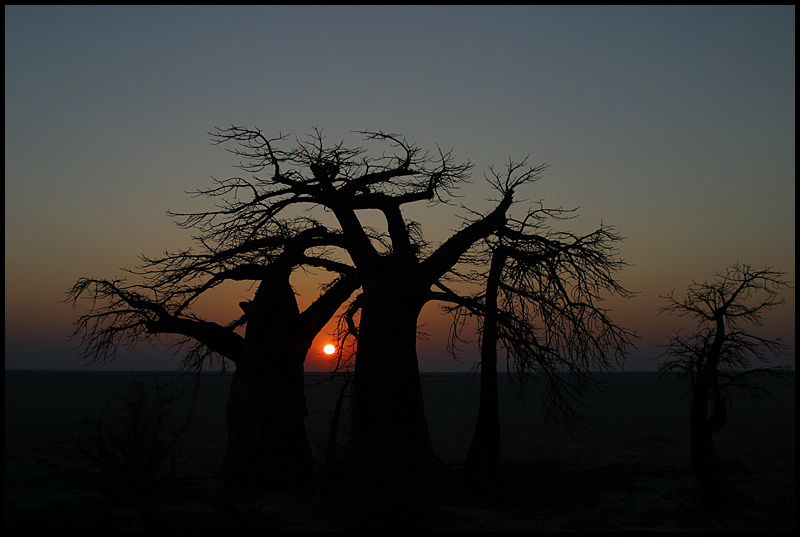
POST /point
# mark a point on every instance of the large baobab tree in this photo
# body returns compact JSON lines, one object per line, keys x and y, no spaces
{"x":267,"y":445}
{"x":397,"y":271}
{"x":389,"y":430}
{"x":718,"y":357}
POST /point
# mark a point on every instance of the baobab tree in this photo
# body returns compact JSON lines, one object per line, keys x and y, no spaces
{"x":541,"y":302}
{"x":397,"y":270}
{"x":396,"y":273}
{"x":279,"y":183}
{"x":267,"y":444}
{"x":718,"y":358}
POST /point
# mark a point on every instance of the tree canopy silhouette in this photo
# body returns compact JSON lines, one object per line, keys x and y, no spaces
{"x":267,"y":442}
{"x":254,"y":233}
{"x":541,"y":302}
{"x":397,"y":269}
{"x":718,"y":358}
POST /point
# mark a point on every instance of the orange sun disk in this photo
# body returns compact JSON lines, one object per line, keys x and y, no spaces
{"x":328,"y":349}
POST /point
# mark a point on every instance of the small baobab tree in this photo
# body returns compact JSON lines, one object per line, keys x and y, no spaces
{"x":719,"y":357}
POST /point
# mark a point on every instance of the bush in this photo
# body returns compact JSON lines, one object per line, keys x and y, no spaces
{"x":134,"y":441}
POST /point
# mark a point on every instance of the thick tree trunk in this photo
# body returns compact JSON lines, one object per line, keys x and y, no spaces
{"x":268,"y":447}
{"x":389,"y":431}
{"x":704,"y":457}
{"x":248,"y":426}
{"x":714,"y":487}
{"x":711,"y":482}
{"x":484,"y":451}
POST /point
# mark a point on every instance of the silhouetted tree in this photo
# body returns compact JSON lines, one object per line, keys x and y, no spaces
{"x":398,"y":272}
{"x":389,"y":430}
{"x":717,"y":358}
{"x":541,"y":303}
{"x":267,"y":444}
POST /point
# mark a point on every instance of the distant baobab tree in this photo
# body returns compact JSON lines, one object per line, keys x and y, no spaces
{"x":718,"y":357}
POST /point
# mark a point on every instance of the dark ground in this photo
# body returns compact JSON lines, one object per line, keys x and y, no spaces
{"x":633,"y":475}
{"x":631,"y":484}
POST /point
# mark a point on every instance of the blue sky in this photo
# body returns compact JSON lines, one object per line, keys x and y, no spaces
{"x":676,"y":125}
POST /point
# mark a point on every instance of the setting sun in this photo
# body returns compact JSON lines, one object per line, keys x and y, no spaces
{"x":328,"y":349}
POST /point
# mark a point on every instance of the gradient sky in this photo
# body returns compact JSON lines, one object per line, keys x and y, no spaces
{"x":676,"y":125}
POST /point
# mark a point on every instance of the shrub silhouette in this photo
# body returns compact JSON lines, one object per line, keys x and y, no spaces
{"x":134,"y":441}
